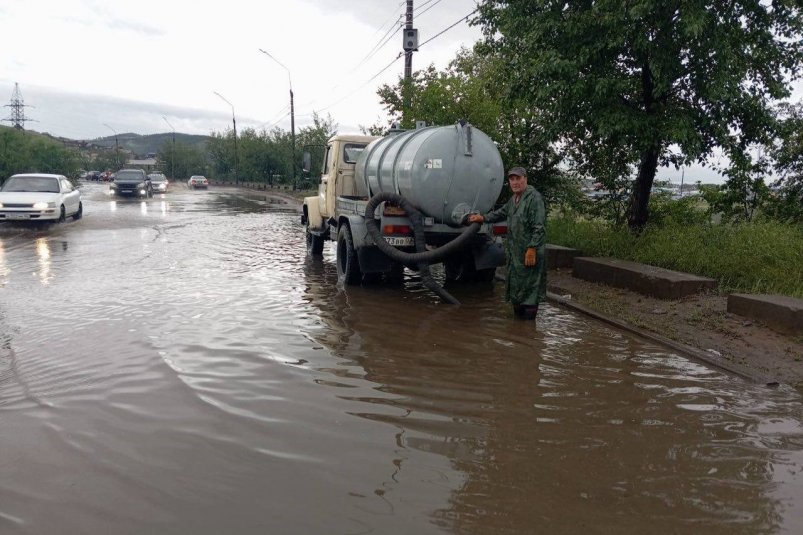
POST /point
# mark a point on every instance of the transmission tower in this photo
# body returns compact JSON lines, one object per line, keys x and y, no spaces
{"x":17,"y":109}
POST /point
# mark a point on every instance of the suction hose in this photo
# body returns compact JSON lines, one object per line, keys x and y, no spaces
{"x":422,"y":257}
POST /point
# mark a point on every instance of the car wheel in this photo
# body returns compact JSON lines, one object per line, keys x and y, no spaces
{"x":77,"y":215}
{"x":62,"y":215}
{"x":314,"y":243}
{"x":348,"y":267}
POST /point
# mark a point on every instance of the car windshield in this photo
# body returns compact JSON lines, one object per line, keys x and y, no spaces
{"x":128,"y":175}
{"x":36,"y":183}
{"x":157,"y":178}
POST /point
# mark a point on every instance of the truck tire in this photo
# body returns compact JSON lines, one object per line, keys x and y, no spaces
{"x":348,"y":266}
{"x":462,"y":269}
{"x":314,"y":243}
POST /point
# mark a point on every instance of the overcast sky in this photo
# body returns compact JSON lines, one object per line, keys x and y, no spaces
{"x":83,"y":63}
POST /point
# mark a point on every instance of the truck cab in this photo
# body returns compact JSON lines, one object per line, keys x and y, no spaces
{"x":337,"y":180}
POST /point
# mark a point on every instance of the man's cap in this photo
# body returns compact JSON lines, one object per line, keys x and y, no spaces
{"x":520,"y":171}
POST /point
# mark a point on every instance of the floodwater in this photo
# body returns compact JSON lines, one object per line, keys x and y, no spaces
{"x":178,"y":366}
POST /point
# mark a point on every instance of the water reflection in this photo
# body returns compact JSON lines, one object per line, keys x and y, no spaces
{"x":572,"y":428}
{"x":4,"y":269}
{"x":43,"y":255}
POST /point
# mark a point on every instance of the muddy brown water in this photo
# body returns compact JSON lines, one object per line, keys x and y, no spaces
{"x":178,"y":365}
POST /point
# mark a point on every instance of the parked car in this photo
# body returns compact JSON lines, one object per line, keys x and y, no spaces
{"x":159,"y":182}
{"x":132,"y":182}
{"x":39,"y":197}
{"x":198,"y":181}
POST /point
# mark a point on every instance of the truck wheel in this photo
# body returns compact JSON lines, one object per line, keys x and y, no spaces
{"x":348,"y":267}
{"x":459,"y":269}
{"x":314,"y":243}
{"x":485,"y":275}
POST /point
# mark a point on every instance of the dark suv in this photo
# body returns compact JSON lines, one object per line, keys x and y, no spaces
{"x":132,"y":182}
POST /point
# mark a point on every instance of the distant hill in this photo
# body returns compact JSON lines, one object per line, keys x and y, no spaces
{"x":142,"y":145}
{"x":138,"y":144}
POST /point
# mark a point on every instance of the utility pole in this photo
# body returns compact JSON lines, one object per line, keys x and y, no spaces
{"x":172,"y":151}
{"x":292,"y":114}
{"x":116,"y":147}
{"x":234,"y":123}
{"x":408,"y":48}
{"x":17,"y":106}
{"x":410,"y":45}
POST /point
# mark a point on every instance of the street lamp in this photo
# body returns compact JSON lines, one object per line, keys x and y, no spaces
{"x":172,"y":151}
{"x":292,"y":113}
{"x":234,"y":123}
{"x":116,"y":148}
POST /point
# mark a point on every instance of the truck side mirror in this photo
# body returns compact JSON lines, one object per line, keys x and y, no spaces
{"x":306,"y":162}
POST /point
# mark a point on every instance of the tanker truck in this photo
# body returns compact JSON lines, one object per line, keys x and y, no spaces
{"x":400,"y":200}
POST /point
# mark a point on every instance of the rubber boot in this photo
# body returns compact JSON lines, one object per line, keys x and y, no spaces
{"x":529,"y":312}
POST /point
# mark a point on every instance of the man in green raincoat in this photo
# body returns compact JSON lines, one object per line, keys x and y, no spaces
{"x":525,"y":244}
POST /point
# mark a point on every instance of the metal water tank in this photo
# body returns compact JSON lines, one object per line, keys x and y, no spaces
{"x":445,"y":171}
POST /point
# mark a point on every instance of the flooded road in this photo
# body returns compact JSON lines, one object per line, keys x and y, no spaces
{"x":178,"y":365}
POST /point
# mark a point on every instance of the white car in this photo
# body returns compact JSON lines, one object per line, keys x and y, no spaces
{"x":197,"y":181}
{"x":39,"y":197}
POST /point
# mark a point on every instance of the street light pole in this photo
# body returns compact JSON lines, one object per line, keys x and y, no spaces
{"x":172,"y":151}
{"x":292,"y":114}
{"x":234,"y":124}
{"x":116,"y":147}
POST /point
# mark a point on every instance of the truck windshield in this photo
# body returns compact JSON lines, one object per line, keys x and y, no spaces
{"x":351,"y":151}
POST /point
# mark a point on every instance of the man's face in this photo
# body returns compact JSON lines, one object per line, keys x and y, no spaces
{"x":517,"y":183}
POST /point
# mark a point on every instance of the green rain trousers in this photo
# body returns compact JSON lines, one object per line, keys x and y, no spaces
{"x":526,"y":227}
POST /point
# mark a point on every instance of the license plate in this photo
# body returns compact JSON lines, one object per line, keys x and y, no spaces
{"x":396,"y":241}
{"x":17,"y":216}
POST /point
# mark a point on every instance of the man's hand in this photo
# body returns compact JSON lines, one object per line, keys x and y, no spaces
{"x":529,"y":257}
{"x":475,"y":218}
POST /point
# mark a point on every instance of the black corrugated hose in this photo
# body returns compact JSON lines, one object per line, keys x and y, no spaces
{"x":422,"y":257}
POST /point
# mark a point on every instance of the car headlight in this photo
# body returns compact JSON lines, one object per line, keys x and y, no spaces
{"x":113,"y":185}
{"x":43,"y":205}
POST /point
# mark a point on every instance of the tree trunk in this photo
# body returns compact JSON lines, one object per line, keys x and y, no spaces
{"x":639,"y":201}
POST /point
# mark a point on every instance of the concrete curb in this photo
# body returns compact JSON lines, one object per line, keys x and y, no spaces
{"x":687,"y":350}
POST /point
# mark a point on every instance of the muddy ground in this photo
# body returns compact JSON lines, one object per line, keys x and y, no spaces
{"x":700,"y":321}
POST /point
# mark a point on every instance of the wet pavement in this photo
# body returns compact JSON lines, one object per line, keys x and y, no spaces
{"x":178,"y":365}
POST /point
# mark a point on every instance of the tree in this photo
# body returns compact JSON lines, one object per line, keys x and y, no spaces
{"x":624,"y":87}
{"x":312,"y":139}
{"x":189,"y":159}
{"x":787,"y":153}
{"x":473,"y":88}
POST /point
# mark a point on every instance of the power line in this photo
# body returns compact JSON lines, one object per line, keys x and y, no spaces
{"x":389,"y":65}
{"x":428,"y":8}
{"x":462,"y":19}
{"x":400,"y":55}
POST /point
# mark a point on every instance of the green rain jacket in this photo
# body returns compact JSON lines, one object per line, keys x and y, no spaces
{"x":526,"y":227}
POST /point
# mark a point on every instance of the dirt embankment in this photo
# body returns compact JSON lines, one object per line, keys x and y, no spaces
{"x":701,"y":322}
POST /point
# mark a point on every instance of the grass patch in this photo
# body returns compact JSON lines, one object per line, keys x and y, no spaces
{"x":759,"y":257}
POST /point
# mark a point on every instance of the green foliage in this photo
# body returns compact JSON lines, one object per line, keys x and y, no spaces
{"x":786,"y":203}
{"x":471,"y":89}
{"x":25,"y":152}
{"x":620,"y":84}
{"x":758,"y":257}
{"x":182,"y":160}
{"x":665,"y":211}
{"x":269,"y":157}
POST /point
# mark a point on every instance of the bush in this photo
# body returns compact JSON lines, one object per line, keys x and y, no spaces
{"x":758,"y":257}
